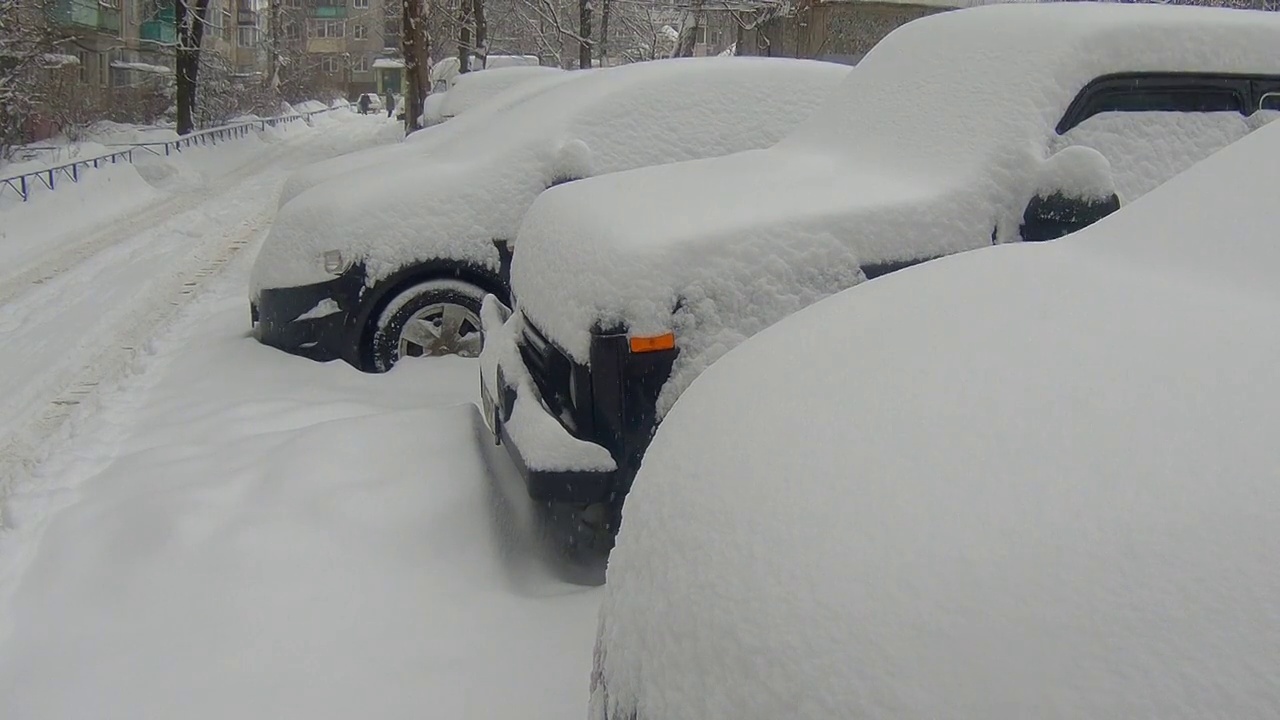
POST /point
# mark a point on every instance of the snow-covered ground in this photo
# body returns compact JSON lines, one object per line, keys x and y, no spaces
{"x":193,"y":525}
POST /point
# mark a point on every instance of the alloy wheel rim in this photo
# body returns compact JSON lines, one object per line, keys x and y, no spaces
{"x":441,"y":329}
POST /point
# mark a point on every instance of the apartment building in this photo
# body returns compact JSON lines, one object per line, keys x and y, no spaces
{"x":346,"y":38}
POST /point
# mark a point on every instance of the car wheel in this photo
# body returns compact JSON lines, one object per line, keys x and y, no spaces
{"x":434,"y":318}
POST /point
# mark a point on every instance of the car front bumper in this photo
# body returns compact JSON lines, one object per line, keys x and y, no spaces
{"x":307,"y":320}
{"x":555,"y":465}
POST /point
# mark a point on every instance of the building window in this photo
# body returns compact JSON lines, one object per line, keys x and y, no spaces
{"x":291,"y":31}
{"x":226,"y":25}
{"x":82,"y":70}
{"x":331,"y":64}
{"x":328,"y":28}
{"x":359,"y":32}
{"x":362,"y":65}
{"x":716,"y":38}
{"x":104,"y":69}
{"x":247,"y":37}
{"x":293,"y":3}
{"x":360,"y":4}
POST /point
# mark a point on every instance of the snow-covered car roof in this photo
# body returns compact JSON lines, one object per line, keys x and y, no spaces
{"x":474,"y":88}
{"x":475,"y":184}
{"x":936,"y":139}
{"x":1035,"y":480}
{"x":342,"y":166}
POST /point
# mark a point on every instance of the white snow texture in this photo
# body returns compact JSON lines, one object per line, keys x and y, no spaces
{"x":1027,"y":481}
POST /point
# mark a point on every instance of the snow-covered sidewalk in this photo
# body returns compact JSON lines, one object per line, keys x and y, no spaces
{"x":87,"y":273}
{"x":232,"y":532}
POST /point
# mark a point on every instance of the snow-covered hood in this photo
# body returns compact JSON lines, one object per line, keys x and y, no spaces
{"x":741,"y":240}
{"x":389,"y":216}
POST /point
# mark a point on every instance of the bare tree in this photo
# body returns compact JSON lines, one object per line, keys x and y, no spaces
{"x":584,"y":34}
{"x":191,"y":17}
{"x":26,"y":47}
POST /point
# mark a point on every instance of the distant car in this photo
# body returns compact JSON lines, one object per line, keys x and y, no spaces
{"x":474,"y":88}
{"x":1018,"y":122}
{"x":375,"y":102}
{"x":1028,"y":481}
{"x":393,"y":259}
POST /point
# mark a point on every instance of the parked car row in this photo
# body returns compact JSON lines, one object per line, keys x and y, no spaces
{"x":951,"y":135}
{"x":941,"y":387}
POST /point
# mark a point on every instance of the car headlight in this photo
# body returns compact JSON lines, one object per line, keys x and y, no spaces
{"x":335,"y":263}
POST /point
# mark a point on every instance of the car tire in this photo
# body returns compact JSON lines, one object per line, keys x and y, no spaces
{"x":433,"y":318}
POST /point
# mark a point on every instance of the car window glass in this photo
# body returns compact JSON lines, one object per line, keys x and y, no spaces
{"x":1147,"y":148}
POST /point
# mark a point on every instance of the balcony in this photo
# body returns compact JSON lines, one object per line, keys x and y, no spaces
{"x":158,"y":31}
{"x":89,"y":14}
{"x":333,"y":9}
{"x":159,"y":28}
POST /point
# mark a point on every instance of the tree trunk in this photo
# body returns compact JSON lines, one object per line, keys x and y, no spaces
{"x":190,"y":22}
{"x":464,"y":36}
{"x":274,"y":38}
{"x":482,"y":32}
{"x":416,"y":46}
{"x":604,"y":33}
{"x":584,"y":34}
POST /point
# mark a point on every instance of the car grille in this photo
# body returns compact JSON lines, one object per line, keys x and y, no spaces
{"x":553,"y":372}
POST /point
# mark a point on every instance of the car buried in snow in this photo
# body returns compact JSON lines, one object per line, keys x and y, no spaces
{"x":1032,"y":480}
{"x":394,"y":258}
{"x":997,"y":124}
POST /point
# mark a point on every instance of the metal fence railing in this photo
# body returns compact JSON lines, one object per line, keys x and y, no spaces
{"x":51,"y":177}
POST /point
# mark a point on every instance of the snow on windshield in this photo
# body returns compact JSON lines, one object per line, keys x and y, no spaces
{"x":475,"y":88}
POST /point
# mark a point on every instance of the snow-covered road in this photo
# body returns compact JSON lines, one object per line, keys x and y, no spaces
{"x":196,"y":526}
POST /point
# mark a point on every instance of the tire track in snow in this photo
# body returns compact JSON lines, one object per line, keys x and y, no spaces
{"x":147,"y":279}
{"x":19,"y":282}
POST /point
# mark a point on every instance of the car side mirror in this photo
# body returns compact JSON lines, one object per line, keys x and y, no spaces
{"x":572,"y":161}
{"x":1074,"y":189}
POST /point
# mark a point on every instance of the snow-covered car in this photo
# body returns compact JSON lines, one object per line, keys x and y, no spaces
{"x":1034,"y":480}
{"x":957,"y":131}
{"x":338,"y":168}
{"x":474,"y":88}
{"x":394,"y":259}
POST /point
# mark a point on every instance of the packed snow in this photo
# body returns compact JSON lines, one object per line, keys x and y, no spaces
{"x":930,"y":147}
{"x":1032,"y":480}
{"x":205,"y":527}
{"x":452,"y":199}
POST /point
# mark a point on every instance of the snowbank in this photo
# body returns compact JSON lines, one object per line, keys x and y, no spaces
{"x":452,"y":199}
{"x":248,"y":534}
{"x":930,"y":147}
{"x":1034,"y":480}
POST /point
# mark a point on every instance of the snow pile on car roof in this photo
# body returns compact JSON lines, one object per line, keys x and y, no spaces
{"x":458,"y":196}
{"x":933,"y":145}
{"x":474,"y":88}
{"x":1029,"y":481}
{"x":340,"y":167}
